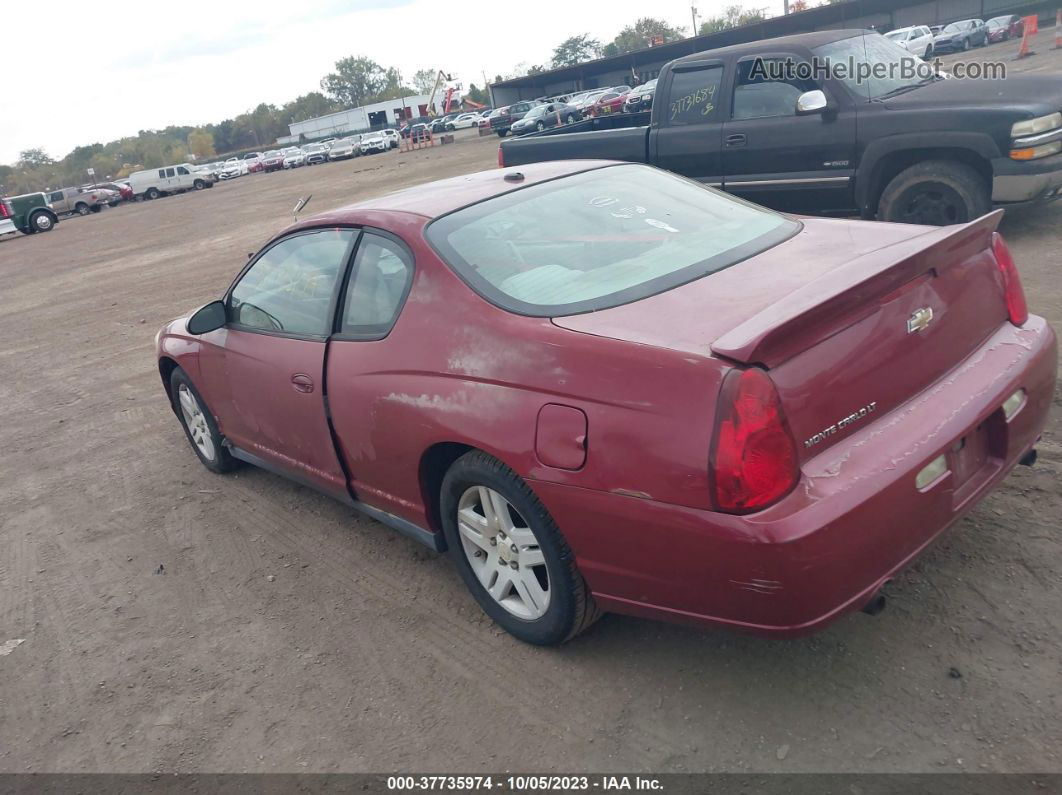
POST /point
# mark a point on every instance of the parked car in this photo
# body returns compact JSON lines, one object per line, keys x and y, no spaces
{"x":372,"y":143}
{"x":155,"y":182}
{"x":960,"y":36}
{"x":294,"y":157}
{"x":121,"y":190}
{"x":419,"y":133}
{"x":392,"y":136}
{"x":273,"y":160}
{"x":640,"y":98}
{"x":232,"y":169}
{"x":411,"y":123}
{"x":437,"y":126}
{"x":342,"y":149}
{"x":1004,"y":28}
{"x":81,"y":200}
{"x":917,"y":39}
{"x":503,"y":119}
{"x":542,"y":116}
{"x":28,"y":214}
{"x":464,"y":121}
{"x":684,"y":370}
{"x":935,"y":29}
{"x":315,"y":153}
{"x":584,"y":102}
{"x":610,"y":102}
{"x":923,"y":150}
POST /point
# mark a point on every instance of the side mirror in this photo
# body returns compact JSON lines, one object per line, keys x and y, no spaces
{"x":811,"y":102}
{"x":207,"y":318}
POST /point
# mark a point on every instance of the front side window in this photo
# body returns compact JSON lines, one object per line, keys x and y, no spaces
{"x":56,"y":197}
{"x":694,"y":97}
{"x":377,"y":287}
{"x":599,"y":239}
{"x":289,"y":287}
{"x":764,"y":89}
{"x":182,"y":170}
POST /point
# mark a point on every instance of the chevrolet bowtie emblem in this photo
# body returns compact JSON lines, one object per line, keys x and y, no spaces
{"x":919,"y":320}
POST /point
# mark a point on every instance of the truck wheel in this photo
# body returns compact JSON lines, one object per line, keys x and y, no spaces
{"x":40,"y":221}
{"x":936,"y":193}
{"x":199,"y":184}
{"x":501,"y":133}
{"x":511,"y":554}
{"x":81,"y":208}
{"x":152,"y":193}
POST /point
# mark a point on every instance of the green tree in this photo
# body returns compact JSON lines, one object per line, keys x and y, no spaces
{"x":477,"y":94}
{"x":638,"y":35}
{"x":201,"y":144}
{"x":424,"y":80}
{"x":32,"y":158}
{"x":734,"y":16}
{"x":356,"y":81}
{"x":575,"y":50}
{"x":307,"y":106}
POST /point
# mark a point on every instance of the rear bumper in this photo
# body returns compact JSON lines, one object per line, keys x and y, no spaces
{"x":852,"y":523}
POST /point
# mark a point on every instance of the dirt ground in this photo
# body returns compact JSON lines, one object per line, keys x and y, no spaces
{"x":174,"y":620}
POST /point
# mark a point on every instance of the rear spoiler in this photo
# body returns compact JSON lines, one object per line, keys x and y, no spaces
{"x":847,"y":294}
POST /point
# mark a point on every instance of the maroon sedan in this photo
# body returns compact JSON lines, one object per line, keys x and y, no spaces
{"x":601,"y":386}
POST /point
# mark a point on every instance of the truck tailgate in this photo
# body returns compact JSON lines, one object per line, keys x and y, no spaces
{"x":628,"y":144}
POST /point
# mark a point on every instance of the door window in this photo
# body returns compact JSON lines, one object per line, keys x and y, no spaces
{"x":378,"y":285}
{"x":162,"y":173}
{"x":695,"y":96}
{"x":56,"y":197}
{"x":182,"y":170}
{"x":289,"y":287}
{"x":169,"y":172}
{"x":768,"y":87}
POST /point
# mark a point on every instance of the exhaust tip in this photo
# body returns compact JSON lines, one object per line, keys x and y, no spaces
{"x":876,"y":604}
{"x":1028,"y":459}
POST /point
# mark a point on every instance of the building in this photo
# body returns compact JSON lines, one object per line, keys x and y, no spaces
{"x":642,"y":65}
{"x":367,"y":117}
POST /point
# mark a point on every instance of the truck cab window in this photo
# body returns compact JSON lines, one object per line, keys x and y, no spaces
{"x":767,"y":87}
{"x":694,"y":97}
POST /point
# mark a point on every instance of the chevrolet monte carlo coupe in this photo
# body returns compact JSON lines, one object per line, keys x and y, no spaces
{"x":603,"y":387}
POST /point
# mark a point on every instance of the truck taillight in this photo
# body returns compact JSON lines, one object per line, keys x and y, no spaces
{"x":754,"y":459}
{"x":1012,"y":289}
{"x":501,"y":158}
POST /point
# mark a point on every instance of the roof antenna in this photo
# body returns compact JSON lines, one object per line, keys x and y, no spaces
{"x":299,"y":205}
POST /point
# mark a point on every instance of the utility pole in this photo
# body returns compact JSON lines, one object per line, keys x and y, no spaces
{"x":785,"y":4}
{"x":693,"y":13}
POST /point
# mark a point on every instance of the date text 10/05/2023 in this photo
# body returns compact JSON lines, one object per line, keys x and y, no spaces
{"x":521,"y":783}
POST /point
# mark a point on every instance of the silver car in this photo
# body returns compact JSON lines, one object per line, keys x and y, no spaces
{"x":343,"y":148}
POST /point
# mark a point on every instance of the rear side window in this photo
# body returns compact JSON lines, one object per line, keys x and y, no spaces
{"x":599,"y":239}
{"x":377,"y":287}
{"x":694,"y":97}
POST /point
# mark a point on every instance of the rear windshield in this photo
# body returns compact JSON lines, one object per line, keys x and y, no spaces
{"x":600,"y":238}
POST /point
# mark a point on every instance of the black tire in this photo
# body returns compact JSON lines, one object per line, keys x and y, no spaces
{"x":965,"y":45}
{"x":152,"y":193}
{"x":97,"y":208}
{"x":223,"y":460}
{"x":935,"y":192}
{"x":81,"y":208}
{"x":199,"y":184}
{"x":571,"y":607}
{"x":41,"y":221}
{"x":539,"y":126}
{"x":501,"y":133}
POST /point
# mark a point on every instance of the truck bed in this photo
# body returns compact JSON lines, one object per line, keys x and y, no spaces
{"x":624,"y":136}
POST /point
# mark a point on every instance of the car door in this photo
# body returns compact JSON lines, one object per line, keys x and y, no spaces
{"x":183,"y":179}
{"x":365,"y":368}
{"x":264,"y":371}
{"x":775,"y":157}
{"x":59,"y":202}
{"x":688,"y":122}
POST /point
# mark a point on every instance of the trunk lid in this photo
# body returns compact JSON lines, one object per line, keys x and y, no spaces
{"x":851,"y":319}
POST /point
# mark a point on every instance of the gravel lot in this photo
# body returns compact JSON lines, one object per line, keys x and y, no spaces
{"x":286,"y":633}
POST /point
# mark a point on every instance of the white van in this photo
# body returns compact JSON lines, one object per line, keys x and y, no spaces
{"x":155,"y":182}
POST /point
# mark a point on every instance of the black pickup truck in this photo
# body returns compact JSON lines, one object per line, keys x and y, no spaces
{"x":834,"y":122}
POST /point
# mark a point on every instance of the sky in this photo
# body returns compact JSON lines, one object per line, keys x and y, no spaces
{"x":104,"y":71}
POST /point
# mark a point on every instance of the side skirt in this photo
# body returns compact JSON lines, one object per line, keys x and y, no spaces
{"x":426,"y":537}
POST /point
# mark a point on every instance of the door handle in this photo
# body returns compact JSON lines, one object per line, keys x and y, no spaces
{"x":737,"y":139}
{"x":302,"y":382}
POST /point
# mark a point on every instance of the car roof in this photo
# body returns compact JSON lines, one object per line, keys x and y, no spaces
{"x":446,"y":195}
{"x":807,"y":40}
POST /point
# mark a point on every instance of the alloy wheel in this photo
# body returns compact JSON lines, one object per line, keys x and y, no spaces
{"x":196,"y":422}
{"x":503,"y":552}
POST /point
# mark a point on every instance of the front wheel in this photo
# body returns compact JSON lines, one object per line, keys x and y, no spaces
{"x":929,"y":52}
{"x":965,"y":45}
{"x":539,"y":126}
{"x":511,"y":554}
{"x":199,"y":184}
{"x":935,"y":193}
{"x":199,"y":425}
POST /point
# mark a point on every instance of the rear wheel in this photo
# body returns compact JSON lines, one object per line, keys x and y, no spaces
{"x":152,"y":193}
{"x":81,"y":208}
{"x":40,"y":221}
{"x":511,"y":554}
{"x":501,"y":133}
{"x":539,"y":126}
{"x":937,"y":193}
{"x":199,"y":425}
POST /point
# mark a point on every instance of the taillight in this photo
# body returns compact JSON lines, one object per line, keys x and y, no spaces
{"x":5,"y":211}
{"x":1012,"y":289}
{"x":501,"y":158}
{"x":754,"y":459}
